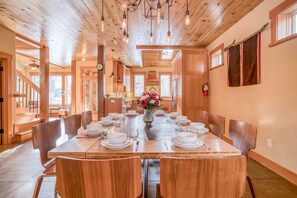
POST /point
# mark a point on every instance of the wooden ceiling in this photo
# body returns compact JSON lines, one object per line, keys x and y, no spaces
{"x":153,"y":58}
{"x":71,"y":28}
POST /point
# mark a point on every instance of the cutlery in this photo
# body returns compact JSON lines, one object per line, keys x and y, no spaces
{"x":208,"y":148}
{"x":165,"y":143}
{"x":137,"y":145}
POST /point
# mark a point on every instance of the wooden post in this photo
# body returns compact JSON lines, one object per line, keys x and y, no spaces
{"x":73,"y":87}
{"x":44,"y":83}
{"x":101,"y":82}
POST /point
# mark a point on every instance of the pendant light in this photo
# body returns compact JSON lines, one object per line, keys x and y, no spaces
{"x":102,"y":18}
{"x":151,"y":34}
{"x":168,"y":33}
{"x":159,"y":12}
{"x":187,"y":21}
{"x":127,"y":36}
{"x":124,"y":20}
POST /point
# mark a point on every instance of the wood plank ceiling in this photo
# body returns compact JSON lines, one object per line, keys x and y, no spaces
{"x":71,"y":28}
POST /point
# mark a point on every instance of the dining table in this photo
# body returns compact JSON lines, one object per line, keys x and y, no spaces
{"x":151,"y":142}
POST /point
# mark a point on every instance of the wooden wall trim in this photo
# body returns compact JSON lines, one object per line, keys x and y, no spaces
{"x":282,"y":171}
{"x":73,"y":87}
{"x":7,"y":104}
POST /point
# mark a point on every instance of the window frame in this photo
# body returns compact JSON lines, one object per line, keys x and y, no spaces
{"x":133,"y":83}
{"x":273,"y":15}
{"x":212,"y":52}
{"x":170,"y":84}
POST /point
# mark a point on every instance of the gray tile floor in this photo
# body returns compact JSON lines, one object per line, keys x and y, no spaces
{"x":20,"y":167}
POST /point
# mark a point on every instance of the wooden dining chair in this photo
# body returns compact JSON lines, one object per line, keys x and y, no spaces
{"x":72,"y":124}
{"x":44,"y":137}
{"x":216,"y":124}
{"x":244,"y":137}
{"x":203,"y":117}
{"x":86,"y":118}
{"x":111,"y":178}
{"x":202,"y":177}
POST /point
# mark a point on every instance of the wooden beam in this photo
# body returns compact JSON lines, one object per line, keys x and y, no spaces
{"x":28,"y":81}
{"x":44,"y":83}
{"x":164,"y":47}
{"x":73,"y":87}
{"x":33,"y":58}
{"x":100,"y":80}
{"x":24,"y":38}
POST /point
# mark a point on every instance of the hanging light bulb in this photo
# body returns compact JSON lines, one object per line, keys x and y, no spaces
{"x":158,"y":12}
{"x":124,"y":36}
{"x":151,"y":37}
{"x":124,"y":20}
{"x":102,"y":17}
{"x":187,"y":21}
{"x":102,"y":24}
{"x":168,"y":37}
{"x":127,"y":38}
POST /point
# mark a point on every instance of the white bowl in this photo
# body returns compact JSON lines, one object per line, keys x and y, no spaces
{"x":132,"y":111}
{"x":159,"y":112}
{"x":175,"y":114}
{"x":117,"y":138}
{"x":197,"y":125}
{"x":106,"y":119}
{"x":181,"y":117}
{"x":113,"y":114}
{"x":93,"y":127}
{"x":186,"y":137}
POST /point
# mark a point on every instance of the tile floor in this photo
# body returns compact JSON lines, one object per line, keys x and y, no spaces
{"x":20,"y":167}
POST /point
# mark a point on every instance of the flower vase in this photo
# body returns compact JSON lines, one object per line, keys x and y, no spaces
{"x":148,"y":117}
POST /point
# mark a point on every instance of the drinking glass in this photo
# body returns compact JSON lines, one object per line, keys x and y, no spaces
{"x":133,"y":133}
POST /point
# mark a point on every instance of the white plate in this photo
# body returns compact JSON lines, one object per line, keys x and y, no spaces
{"x":106,"y":124}
{"x":187,"y":121}
{"x":131,"y":114}
{"x":92,"y":133}
{"x":109,"y":145}
{"x":172,"y":116}
{"x":195,"y":144}
{"x":199,"y":131}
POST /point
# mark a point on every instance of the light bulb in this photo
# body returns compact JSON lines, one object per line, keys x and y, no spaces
{"x":187,"y":22}
{"x":102,"y":24}
{"x":124,"y":36}
{"x":127,"y":39}
{"x":158,"y":12}
{"x":168,"y":37}
{"x":151,"y":37}
{"x":124,"y":23}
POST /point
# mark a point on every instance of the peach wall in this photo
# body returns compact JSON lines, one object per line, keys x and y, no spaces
{"x":271,"y":105}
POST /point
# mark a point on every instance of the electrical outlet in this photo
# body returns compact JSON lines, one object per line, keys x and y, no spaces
{"x":269,"y":142}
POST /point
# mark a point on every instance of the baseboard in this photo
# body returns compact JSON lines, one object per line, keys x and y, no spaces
{"x":282,"y":171}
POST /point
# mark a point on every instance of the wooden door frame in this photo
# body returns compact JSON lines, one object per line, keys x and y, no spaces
{"x":7,"y":95}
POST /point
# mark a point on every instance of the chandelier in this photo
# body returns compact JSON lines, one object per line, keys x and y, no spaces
{"x":129,"y":6}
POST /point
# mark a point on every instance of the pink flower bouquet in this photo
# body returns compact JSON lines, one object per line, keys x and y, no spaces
{"x":149,"y":100}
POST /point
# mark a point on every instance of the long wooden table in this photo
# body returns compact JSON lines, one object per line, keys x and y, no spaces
{"x":152,"y":145}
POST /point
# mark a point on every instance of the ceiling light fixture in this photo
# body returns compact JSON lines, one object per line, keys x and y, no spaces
{"x":149,"y":7}
{"x":102,"y":18}
{"x":187,"y":21}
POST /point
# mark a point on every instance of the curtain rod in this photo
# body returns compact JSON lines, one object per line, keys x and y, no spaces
{"x":234,"y":44}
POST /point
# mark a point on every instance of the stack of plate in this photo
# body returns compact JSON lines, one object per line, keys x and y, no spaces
{"x":159,"y":113}
{"x":114,"y":116}
{"x":106,"y":121}
{"x":117,"y":141}
{"x":173,"y":115}
{"x":182,"y":120}
{"x":187,"y":140}
{"x":131,"y":113}
{"x":198,"y":127}
{"x":93,"y":130}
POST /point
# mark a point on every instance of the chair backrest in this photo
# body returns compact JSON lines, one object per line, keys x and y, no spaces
{"x":203,"y":117}
{"x":86,"y":118}
{"x":216,"y":124}
{"x":44,"y":137}
{"x":72,"y":124}
{"x":243,"y":135}
{"x":99,"y":178}
{"x":203,"y":177}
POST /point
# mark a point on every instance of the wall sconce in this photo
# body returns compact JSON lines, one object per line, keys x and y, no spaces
{"x":112,"y":75}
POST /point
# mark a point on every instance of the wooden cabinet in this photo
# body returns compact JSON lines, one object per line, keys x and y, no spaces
{"x":190,"y":72}
{"x":113,"y":105}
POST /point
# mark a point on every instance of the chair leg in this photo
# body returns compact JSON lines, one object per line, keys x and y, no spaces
{"x":251,"y":185}
{"x":37,"y":186}
{"x":56,"y":191}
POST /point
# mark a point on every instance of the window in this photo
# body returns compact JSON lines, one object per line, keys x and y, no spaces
{"x":165,"y":85}
{"x":216,"y":57}
{"x":68,"y":81}
{"x":138,"y":84}
{"x":283,"y":22}
{"x":55,"y":90}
